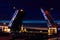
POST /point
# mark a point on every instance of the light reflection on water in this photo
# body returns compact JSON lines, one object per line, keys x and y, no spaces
{"x":53,"y":38}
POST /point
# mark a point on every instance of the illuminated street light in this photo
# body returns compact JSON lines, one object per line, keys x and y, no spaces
{"x":21,"y":10}
{"x":4,"y":23}
{"x":40,"y":31}
{"x":6,"y":30}
{"x":14,"y":7}
{"x":51,"y":8}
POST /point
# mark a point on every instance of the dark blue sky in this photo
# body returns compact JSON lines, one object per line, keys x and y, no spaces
{"x":32,"y":8}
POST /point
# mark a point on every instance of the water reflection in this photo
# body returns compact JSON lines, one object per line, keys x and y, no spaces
{"x":53,"y":38}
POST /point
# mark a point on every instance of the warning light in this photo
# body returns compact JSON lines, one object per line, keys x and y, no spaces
{"x":46,"y":12}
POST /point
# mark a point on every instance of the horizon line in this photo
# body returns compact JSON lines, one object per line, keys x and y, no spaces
{"x":30,"y":21}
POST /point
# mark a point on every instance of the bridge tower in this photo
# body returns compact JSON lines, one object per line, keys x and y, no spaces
{"x":17,"y":19}
{"x":52,"y":28}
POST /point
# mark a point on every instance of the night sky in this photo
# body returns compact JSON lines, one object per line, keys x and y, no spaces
{"x":32,"y":8}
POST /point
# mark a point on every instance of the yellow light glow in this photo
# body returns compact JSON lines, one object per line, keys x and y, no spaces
{"x":25,"y":30}
{"x":52,"y":30}
{"x":7,"y":30}
{"x":4,"y":30}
